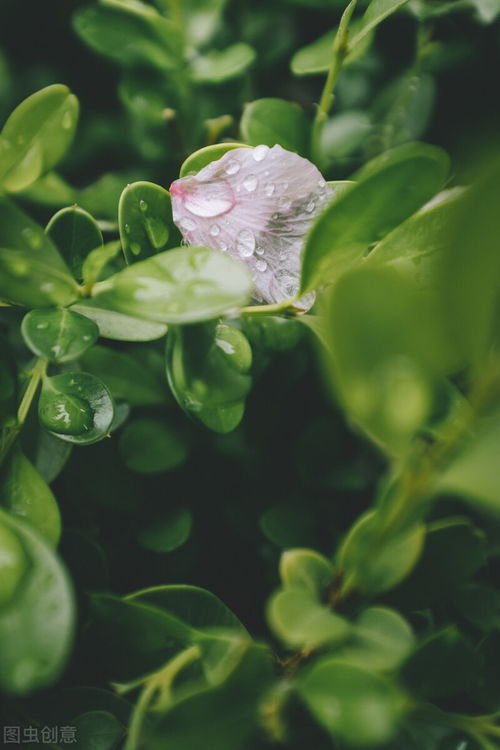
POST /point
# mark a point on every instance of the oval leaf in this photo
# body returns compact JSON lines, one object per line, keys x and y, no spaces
{"x":58,"y":335}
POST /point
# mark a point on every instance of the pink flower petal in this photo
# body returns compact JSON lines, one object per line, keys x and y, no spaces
{"x":256,"y":204}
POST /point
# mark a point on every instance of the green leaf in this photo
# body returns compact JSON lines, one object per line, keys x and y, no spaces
{"x":50,"y":455}
{"x":36,"y":627}
{"x":288,"y":526}
{"x":376,"y":565}
{"x":49,"y":190}
{"x":377,"y":11}
{"x":316,"y":57}
{"x":382,"y":640}
{"x":76,"y":407}
{"x":387,"y":190}
{"x":386,"y":355}
{"x":204,"y":156}
{"x":200,"y":18}
{"x":130,"y":32}
{"x":25,"y":494}
{"x":306,"y":570}
{"x":270,"y":121}
{"x":301,"y":622}
{"x":13,"y":563}
{"x":97,"y":730}
{"x":151,"y":446}
{"x":75,"y":232}
{"x":487,"y":10}
{"x":32,"y":273}
{"x":479,"y":604}
{"x":473,"y":471}
{"x":125,"y":376}
{"x":167,"y":533}
{"x":145,"y":219}
{"x":8,"y":382}
{"x":207,"y":369}
{"x":115,"y":325}
{"x":96,"y":262}
{"x":36,"y":136}
{"x":354,"y":706}
{"x":344,"y":134}
{"x":184,"y":285}
{"x":58,"y":335}
{"x":217,"y":66}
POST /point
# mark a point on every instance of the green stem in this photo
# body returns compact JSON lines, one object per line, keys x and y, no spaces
{"x":37,"y":374}
{"x":285,"y":308}
{"x":340,"y":50}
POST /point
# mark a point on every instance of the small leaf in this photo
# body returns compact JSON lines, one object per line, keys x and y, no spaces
{"x":97,"y":730}
{"x":36,"y":627}
{"x":306,"y":570}
{"x":36,"y":136}
{"x":58,"y":335}
{"x":199,"y":159}
{"x":96,"y":262}
{"x":270,"y":121}
{"x":76,"y":407}
{"x":13,"y":563}
{"x":377,"y":11}
{"x":221,"y":65}
{"x":151,"y":446}
{"x":355,"y":706}
{"x":167,"y":533}
{"x":387,"y":190}
{"x":144,"y":216}
{"x":298,"y":620}
{"x":117,"y":326}
{"x":184,"y":285}
{"x":24,"y":493}
{"x":75,"y":232}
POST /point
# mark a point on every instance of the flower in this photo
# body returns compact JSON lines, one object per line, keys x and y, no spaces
{"x":257,"y":204}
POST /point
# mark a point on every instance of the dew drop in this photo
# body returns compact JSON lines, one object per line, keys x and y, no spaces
{"x":42,"y":326}
{"x":261,"y":266}
{"x":260,"y":152}
{"x":47,"y":286}
{"x":245,"y":243}
{"x":143,"y":205}
{"x":127,"y":228}
{"x":223,"y":246}
{"x":18,"y":267}
{"x":269,"y":189}
{"x":250,"y":183}
{"x":260,"y":251}
{"x":284,"y":186}
{"x":135,"y":247}
{"x":321,"y":184}
{"x":233,"y":167}
{"x":67,"y":120}
{"x":286,"y":205}
{"x":208,"y":200}
{"x":187,"y":224}
{"x":214,"y":230}
{"x":310,"y":207}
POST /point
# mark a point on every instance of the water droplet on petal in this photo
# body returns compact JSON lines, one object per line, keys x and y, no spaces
{"x":310,"y":207}
{"x":187,"y":223}
{"x":214,"y":230}
{"x":245,"y":243}
{"x":269,"y":189}
{"x":284,"y":186}
{"x":223,"y":246}
{"x":261,"y":266}
{"x":209,"y":199}
{"x":260,"y":152}
{"x":135,"y":247}
{"x":321,"y":184}
{"x":67,"y":120}
{"x":260,"y":251}
{"x":250,"y":183}
{"x":143,"y":205}
{"x":233,"y":167}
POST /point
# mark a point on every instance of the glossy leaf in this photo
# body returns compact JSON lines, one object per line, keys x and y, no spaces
{"x":382,"y":640}
{"x":58,"y":335}
{"x":49,"y":455}
{"x":221,"y":65}
{"x":306,"y":570}
{"x":13,"y":563}
{"x":316,"y":57}
{"x":270,"y":121}
{"x":184,"y":285}
{"x":368,"y":707}
{"x":32,"y":273}
{"x":36,"y":628}
{"x":36,"y":136}
{"x":208,"y":371}
{"x":151,"y":446}
{"x":76,"y":407}
{"x":116,"y":325}
{"x":126,"y":377}
{"x":24,"y":493}
{"x":387,"y":190}
{"x":145,"y":219}
{"x":75,"y":233}
{"x":96,"y":262}
{"x":377,"y":11}
{"x":99,"y":730}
